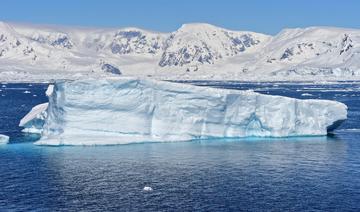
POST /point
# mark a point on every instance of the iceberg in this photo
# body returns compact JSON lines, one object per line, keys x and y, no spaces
{"x":4,"y":139}
{"x":129,"y":110}
{"x":34,"y":121}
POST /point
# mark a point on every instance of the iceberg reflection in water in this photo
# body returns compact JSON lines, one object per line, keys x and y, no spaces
{"x":223,"y":174}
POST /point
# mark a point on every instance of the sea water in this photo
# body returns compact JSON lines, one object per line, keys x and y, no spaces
{"x":256,"y":174}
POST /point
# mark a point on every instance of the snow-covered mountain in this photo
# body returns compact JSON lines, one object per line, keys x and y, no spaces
{"x":196,"y":44}
{"x":194,"y":51}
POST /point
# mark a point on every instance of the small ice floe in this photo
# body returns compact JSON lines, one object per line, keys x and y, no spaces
{"x":147,"y":188}
{"x":27,"y":92}
{"x":349,"y":130}
{"x":4,"y":139}
{"x":3,"y":86}
{"x":49,"y":90}
{"x":34,"y":95}
{"x":306,"y":94}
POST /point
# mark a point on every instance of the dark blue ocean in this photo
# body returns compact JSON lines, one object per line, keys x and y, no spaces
{"x":257,"y":174}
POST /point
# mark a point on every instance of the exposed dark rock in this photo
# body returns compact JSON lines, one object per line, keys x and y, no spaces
{"x":110,"y":69}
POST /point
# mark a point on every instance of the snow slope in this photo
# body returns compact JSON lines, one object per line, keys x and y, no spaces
{"x":194,"y":51}
{"x":127,"y":110}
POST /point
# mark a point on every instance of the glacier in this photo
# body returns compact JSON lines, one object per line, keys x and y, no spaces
{"x":129,"y":110}
{"x":4,"y":139}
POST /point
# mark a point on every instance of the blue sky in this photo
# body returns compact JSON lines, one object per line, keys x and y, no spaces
{"x":167,"y":15}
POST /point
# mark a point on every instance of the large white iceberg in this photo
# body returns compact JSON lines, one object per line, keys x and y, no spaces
{"x":128,"y":110}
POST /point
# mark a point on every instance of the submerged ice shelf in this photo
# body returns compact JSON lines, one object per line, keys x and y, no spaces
{"x":128,"y":110}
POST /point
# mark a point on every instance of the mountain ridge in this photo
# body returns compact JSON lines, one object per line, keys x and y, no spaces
{"x":194,"y":51}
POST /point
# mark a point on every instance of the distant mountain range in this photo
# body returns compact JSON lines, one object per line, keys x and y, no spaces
{"x":194,"y":51}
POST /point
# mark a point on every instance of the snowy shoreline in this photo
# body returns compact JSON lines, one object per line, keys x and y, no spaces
{"x":186,"y":80}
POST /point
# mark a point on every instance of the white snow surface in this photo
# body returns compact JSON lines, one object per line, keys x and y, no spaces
{"x":130,"y":110}
{"x":4,"y":139}
{"x":196,"y":51}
